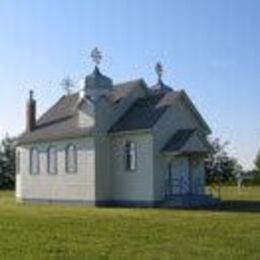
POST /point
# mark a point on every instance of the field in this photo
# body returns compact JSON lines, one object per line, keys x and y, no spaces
{"x":231,"y":231}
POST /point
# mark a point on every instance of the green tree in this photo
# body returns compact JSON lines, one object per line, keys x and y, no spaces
{"x":257,"y":161}
{"x":256,"y":171}
{"x":7,"y":163}
{"x":220,"y":167}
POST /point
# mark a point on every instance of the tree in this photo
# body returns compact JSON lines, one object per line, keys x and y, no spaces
{"x":256,"y":171}
{"x":257,"y":161}
{"x":220,"y":167}
{"x":7,"y":163}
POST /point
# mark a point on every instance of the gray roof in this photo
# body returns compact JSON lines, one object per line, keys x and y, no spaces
{"x":161,"y":87}
{"x":178,"y":140}
{"x":64,"y":108}
{"x":65,"y":128}
{"x":60,"y":120}
{"x":145,"y":112}
{"x":121,"y":90}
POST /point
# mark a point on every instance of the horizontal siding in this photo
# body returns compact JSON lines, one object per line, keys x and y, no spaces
{"x":78,"y":186}
{"x":177,"y":117}
{"x":133,"y":185}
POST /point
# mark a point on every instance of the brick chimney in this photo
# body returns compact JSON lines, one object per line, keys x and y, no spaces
{"x":31,"y":113}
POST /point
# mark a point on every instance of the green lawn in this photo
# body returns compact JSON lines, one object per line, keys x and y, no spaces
{"x":73,"y":232}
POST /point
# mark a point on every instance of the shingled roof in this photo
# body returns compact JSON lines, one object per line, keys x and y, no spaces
{"x":178,"y":140}
{"x":61,"y":110}
{"x":143,"y":114}
{"x":60,"y":120}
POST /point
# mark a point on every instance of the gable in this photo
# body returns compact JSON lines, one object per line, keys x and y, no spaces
{"x":85,"y":114}
{"x":58,"y":122}
{"x":193,"y":111}
{"x":196,"y":144}
{"x":187,"y":141}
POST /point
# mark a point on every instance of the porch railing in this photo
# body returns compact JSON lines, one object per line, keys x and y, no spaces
{"x":174,"y":186}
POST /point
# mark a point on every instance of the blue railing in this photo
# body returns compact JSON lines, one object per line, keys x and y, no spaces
{"x":174,"y":186}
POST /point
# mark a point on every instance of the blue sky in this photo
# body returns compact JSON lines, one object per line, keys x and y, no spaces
{"x":209,"y":48}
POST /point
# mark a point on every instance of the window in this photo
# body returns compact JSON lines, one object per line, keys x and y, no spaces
{"x":34,"y":161}
{"x":71,"y":159}
{"x":17,"y":162}
{"x":52,"y":160}
{"x":130,"y":156}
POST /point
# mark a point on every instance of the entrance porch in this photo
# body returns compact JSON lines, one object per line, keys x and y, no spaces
{"x":184,"y":184}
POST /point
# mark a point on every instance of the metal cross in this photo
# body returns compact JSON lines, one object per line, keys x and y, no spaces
{"x":96,"y":56}
{"x":159,"y":69}
{"x":67,"y":85}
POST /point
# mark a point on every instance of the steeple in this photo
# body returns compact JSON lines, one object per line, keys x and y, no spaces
{"x":160,"y":86}
{"x":96,"y":84}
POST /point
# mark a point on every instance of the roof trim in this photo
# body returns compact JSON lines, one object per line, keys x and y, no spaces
{"x":193,"y":108}
{"x":180,"y":138}
{"x":133,"y":131}
{"x":54,"y":138}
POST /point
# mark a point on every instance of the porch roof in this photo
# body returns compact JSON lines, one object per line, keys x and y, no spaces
{"x":186,"y":141}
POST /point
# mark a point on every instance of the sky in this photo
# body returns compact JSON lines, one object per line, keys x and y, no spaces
{"x":209,"y":48}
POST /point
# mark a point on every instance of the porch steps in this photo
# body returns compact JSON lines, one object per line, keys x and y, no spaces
{"x":190,"y":201}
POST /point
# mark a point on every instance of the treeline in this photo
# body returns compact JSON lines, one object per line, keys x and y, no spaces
{"x":7,"y":163}
{"x":223,"y":169}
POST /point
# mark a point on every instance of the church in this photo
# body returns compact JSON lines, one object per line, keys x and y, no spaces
{"x":126,"y":144}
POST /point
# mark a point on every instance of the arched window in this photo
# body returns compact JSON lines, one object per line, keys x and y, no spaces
{"x":34,"y":161}
{"x":71,"y":159}
{"x":52,"y":160}
{"x":130,"y":156}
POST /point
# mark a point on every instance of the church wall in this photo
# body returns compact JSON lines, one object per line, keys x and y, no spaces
{"x":137,"y":185}
{"x":198,"y":174}
{"x":180,"y":170}
{"x":62,"y":186}
{"x":107,"y":113}
{"x":102,"y":166}
{"x":194,"y":143}
{"x":177,"y":117}
{"x":86,"y":115}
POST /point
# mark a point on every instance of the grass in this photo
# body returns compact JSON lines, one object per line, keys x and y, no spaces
{"x":73,"y":232}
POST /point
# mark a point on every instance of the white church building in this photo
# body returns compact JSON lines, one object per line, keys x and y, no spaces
{"x":114,"y":144}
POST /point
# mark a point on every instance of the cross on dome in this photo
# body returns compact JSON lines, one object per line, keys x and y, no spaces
{"x":96,"y":56}
{"x":68,"y":85}
{"x":159,"y":70}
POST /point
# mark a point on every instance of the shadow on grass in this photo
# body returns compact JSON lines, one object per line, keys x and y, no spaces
{"x":239,"y":206}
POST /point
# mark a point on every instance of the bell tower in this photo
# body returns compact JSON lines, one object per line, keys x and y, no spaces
{"x":96,"y":84}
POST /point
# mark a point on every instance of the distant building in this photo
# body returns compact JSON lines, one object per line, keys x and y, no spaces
{"x":114,"y":144}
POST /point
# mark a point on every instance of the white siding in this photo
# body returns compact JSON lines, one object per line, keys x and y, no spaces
{"x":180,"y":172}
{"x":86,"y":115}
{"x":103,"y":179}
{"x":133,"y":185}
{"x":18,"y":182}
{"x":62,"y":186}
{"x":107,"y":113}
{"x":198,"y":175}
{"x":177,"y":117}
{"x":194,"y":144}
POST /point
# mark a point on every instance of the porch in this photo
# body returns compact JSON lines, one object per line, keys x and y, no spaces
{"x":184,"y":184}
